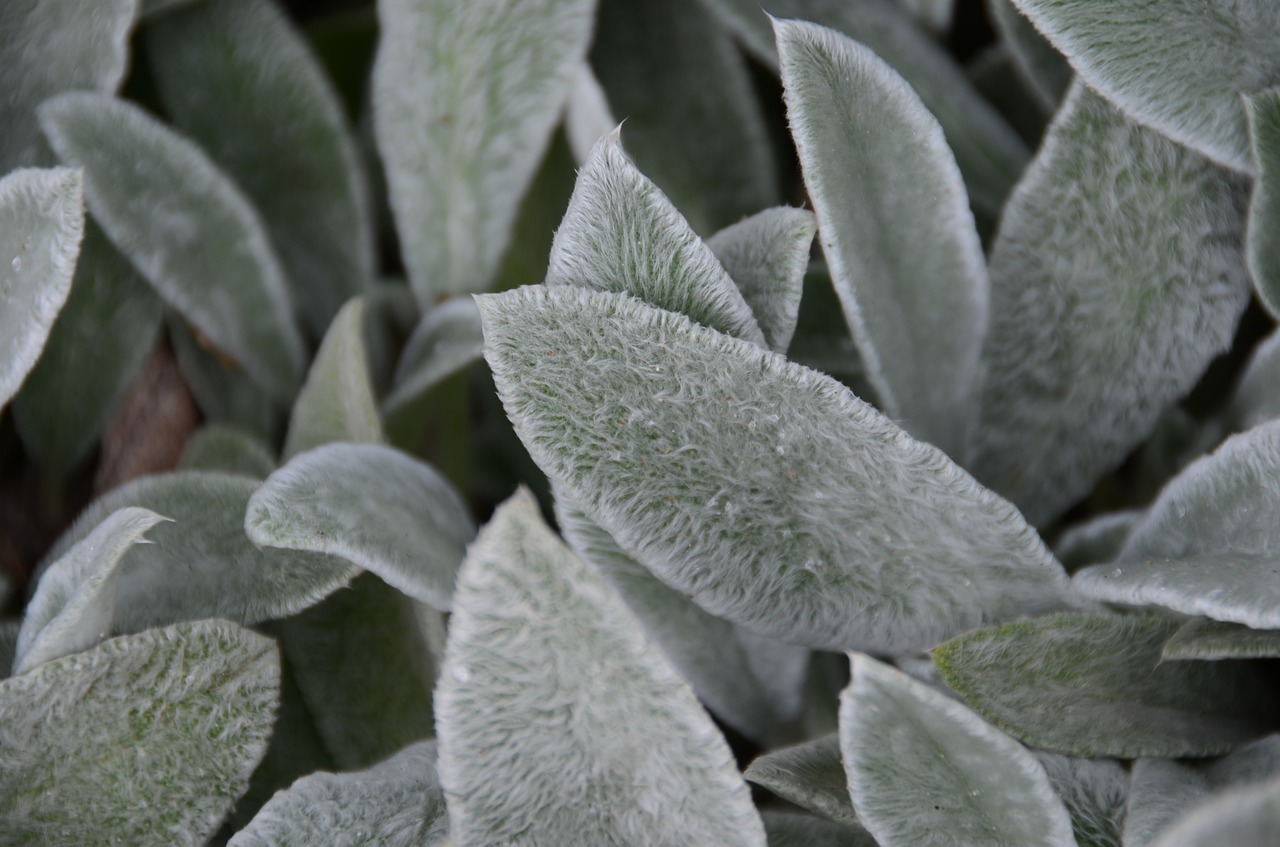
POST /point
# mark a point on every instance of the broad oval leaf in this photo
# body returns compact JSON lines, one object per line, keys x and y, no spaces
{"x":302,"y":170}
{"x":459,"y":156}
{"x":74,"y":604}
{"x":1263,"y":111}
{"x":895,"y":736}
{"x":620,"y":233}
{"x":444,"y":342}
{"x":763,"y":490}
{"x":202,"y":565}
{"x":811,"y":775}
{"x":1202,"y":639}
{"x":1245,"y":817}
{"x":145,"y":739}
{"x":1210,"y":545}
{"x":767,"y":255}
{"x":396,"y":803}
{"x":220,"y":447}
{"x":186,"y":227}
{"x":1181,"y":72}
{"x":41,"y":224}
{"x":1102,"y":314}
{"x":559,"y":722}
{"x":373,"y":506}
{"x":1096,"y":686}
{"x":895,"y":225}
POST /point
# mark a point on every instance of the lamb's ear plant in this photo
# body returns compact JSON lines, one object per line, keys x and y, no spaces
{"x":602,"y":422}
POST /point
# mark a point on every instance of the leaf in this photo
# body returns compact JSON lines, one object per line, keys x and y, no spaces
{"x":220,"y":447}
{"x":1160,"y":791}
{"x":1046,"y":72}
{"x":145,"y":739}
{"x":1096,"y":686}
{"x":934,"y":15}
{"x":587,"y":116}
{"x":41,"y":224}
{"x":991,"y":71}
{"x":97,"y":346}
{"x":1257,"y":395}
{"x":201,"y":565}
{"x":47,"y":49}
{"x":447,"y":340}
{"x":767,"y":256}
{"x":1206,"y":639}
{"x":373,"y":506}
{"x":397,"y":803}
{"x":302,"y":171}
{"x":559,"y":722}
{"x":337,"y":402}
{"x":621,"y":233}
{"x":811,"y":775}
{"x":1246,"y":817}
{"x":74,"y":603}
{"x":895,"y":735}
{"x":1096,"y":794}
{"x":1208,"y":545}
{"x":762,"y":490}
{"x":1263,"y":243}
{"x":223,"y":392}
{"x":752,"y":683}
{"x":1098,"y":539}
{"x":1102,"y":314}
{"x":987,"y":150}
{"x":822,"y":339}
{"x":8,"y":637}
{"x":677,"y":79}
{"x":186,"y":227}
{"x":1181,"y":73}
{"x":788,"y":829}
{"x":895,"y":227}
{"x":458,"y":155}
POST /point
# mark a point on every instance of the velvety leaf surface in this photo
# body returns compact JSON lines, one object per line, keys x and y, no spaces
{"x":302,"y":170}
{"x":1102,"y":314}
{"x":1096,"y":686}
{"x":1181,"y":71}
{"x":221,"y":389}
{"x":621,"y":233}
{"x":1096,"y":794}
{"x":989,"y":153}
{"x":895,"y":226}
{"x":1207,"y":639}
{"x":444,"y":342}
{"x":1098,"y":539}
{"x":767,"y":255}
{"x":397,"y":803}
{"x":1210,"y":544}
{"x":98,"y":343}
{"x":766,"y":492}
{"x":1038,"y":62}
{"x":144,"y":740}
{"x":895,"y":732}
{"x":1257,"y":396}
{"x":74,"y":604}
{"x":219,"y":447}
{"x":41,"y":224}
{"x":788,"y":829}
{"x":753,"y":683}
{"x":559,"y":722}
{"x":48,"y":48}
{"x":677,"y":79}
{"x":374,"y":506}
{"x":1160,"y":791}
{"x":1245,"y":817}
{"x":1263,"y":112}
{"x":810,"y":775}
{"x":587,"y":116}
{"x":186,"y":227}
{"x":201,"y":565}
{"x":459,"y":155}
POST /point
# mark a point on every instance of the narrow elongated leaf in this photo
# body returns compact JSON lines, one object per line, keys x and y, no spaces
{"x":1263,"y":112}
{"x":1160,"y":791}
{"x":1208,"y":546}
{"x":397,"y":803}
{"x":1096,"y":686}
{"x":75,"y":600}
{"x":1181,"y":73}
{"x":97,"y":346}
{"x":1257,"y":396}
{"x":988,"y":151}
{"x":788,"y":829}
{"x":1096,"y":794}
{"x":145,"y":739}
{"x":41,"y":224}
{"x":219,"y":447}
{"x":1246,"y":817}
{"x":767,"y":256}
{"x":447,"y":340}
{"x":1098,"y":539}
{"x":374,"y":506}
{"x":186,"y":227}
{"x":46,"y":49}
{"x":766,"y":492}
{"x":458,"y":156}
{"x":201,"y":565}
{"x":810,"y":775}
{"x":646,"y":56}
{"x":302,"y":170}
{"x":1207,"y":639}
{"x":895,"y":227}
{"x":894,"y":732}
{"x":337,"y":403}
{"x":621,"y":233}
{"x":1102,"y":314}
{"x":559,"y":722}
{"x":1040,"y":65}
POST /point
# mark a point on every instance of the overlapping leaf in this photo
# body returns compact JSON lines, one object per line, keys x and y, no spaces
{"x":1209,"y":639}
{"x":1040,"y":65}
{"x":1160,"y":791}
{"x":447,"y":340}
{"x":221,"y":389}
{"x":810,"y":775}
{"x":1098,"y":539}
{"x":789,"y":829}
{"x":1257,"y":396}
{"x":1245,"y":817}
{"x":219,"y":447}
{"x":1263,"y":112}
{"x":1095,"y":793}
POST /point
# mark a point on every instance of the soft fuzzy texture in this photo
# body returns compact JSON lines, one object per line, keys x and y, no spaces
{"x":1243,"y":817}
{"x":230,"y":449}
{"x":1256,"y":397}
{"x":1204,"y":639}
{"x":1096,"y":794}
{"x":1263,"y":112}
{"x":810,"y":775}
